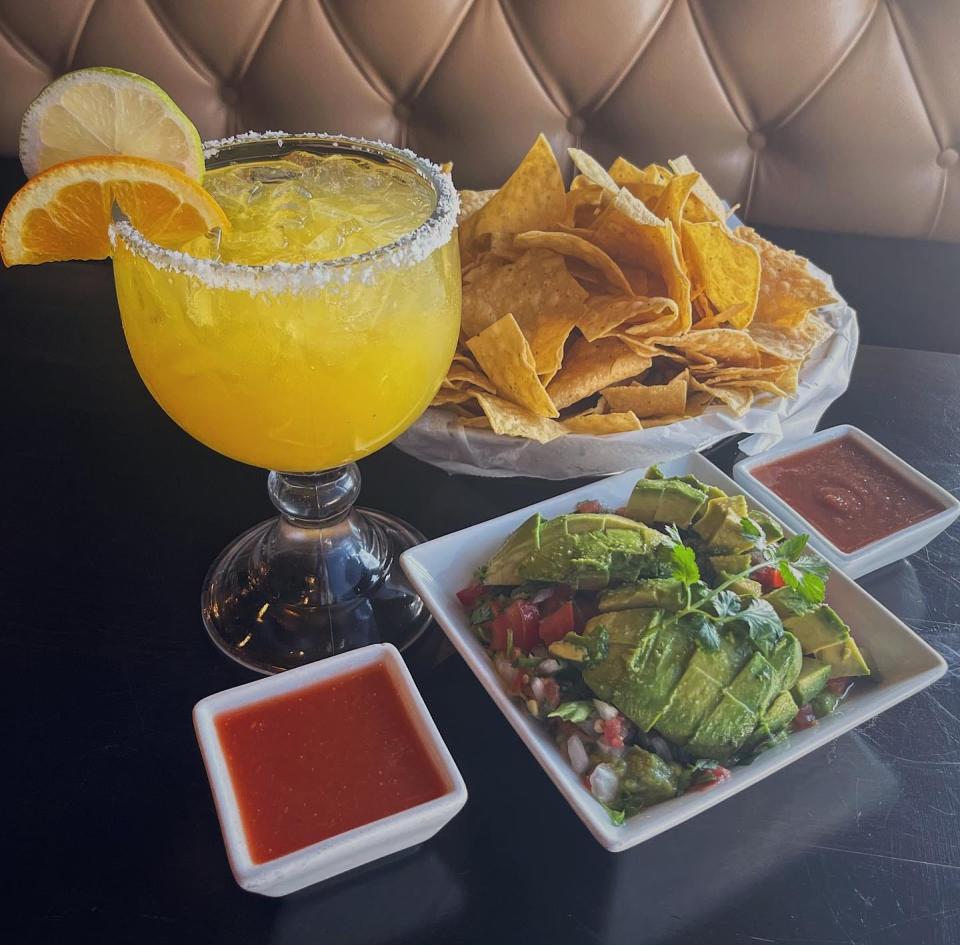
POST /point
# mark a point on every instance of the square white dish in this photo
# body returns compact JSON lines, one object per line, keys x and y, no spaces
{"x":877,"y":554}
{"x":347,"y":850}
{"x":903,"y":663}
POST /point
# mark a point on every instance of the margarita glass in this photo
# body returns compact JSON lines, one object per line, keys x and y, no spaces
{"x":311,"y":334}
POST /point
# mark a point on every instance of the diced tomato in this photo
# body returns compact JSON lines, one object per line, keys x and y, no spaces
{"x":590,"y":506}
{"x":551,"y":692}
{"x":470,"y":595}
{"x":523,"y":619}
{"x":769,"y":577}
{"x":498,"y":633}
{"x":623,"y":510}
{"x":613,"y":731}
{"x":839,"y":685}
{"x":558,"y":624}
{"x":711,"y":777}
{"x":805,"y":718}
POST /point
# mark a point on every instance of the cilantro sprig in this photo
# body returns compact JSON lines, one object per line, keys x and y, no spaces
{"x":707,"y":612}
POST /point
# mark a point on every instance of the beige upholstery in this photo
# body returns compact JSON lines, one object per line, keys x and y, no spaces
{"x":826,"y":114}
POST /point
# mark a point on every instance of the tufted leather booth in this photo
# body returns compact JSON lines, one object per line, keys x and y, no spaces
{"x":821,"y":114}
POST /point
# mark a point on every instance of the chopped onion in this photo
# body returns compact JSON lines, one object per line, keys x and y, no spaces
{"x":604,"y":784}
{"x":537,"y":688}
{"x":548,"y":667}
{"x":606,"y":710}
{"x":541,"y":595}
{"x":579,"y":759}
{"x":506,"y":670}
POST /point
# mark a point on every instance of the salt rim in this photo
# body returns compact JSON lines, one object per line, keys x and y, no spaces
{"x":274,"y":278}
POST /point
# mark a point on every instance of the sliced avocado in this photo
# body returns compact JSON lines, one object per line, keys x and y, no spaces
{"x":787,"y":660}
{"x":679,"y":503}
{"x":588,"y":551}
{"x":649,"y":592}
{"x":525,"y":540}
{"x":644,"y":500}
{"x":720,"y":528}
{"x":729,"y":725}
{"x":580,"y":648}
{"x":665,"y":500}
{"x":771,"y":529}
{"x":712,"y":492}
{"x":701,"y":687}
{"x":844,"y":657}
{"x":730,"y":564}
{"x":824,"y":703}
{"x":639,"y":683}
{"x":813,"y":677}
{"x":817,"y":628}
{"x":781,"y":713}
{"x":746,"y":587}
{"x":646,"y":779}
{"x":783,"y":710}
{"x":788,"y":603}
{"x":630,"y":635}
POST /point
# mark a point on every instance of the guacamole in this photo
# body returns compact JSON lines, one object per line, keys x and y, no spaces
{"x":665,"y":643}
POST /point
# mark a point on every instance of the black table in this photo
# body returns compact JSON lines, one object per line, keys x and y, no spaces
{"x":111,"y":518}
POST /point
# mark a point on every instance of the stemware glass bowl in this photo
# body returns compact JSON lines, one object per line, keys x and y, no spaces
{"x":302,"y":368}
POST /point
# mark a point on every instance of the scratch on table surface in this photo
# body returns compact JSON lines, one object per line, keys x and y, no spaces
{"x":879,"y":856}
{"x":951,"y":579}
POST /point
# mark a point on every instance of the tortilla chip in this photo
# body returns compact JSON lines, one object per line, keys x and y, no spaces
{"x":547,"y":335}
{"x":536,"y":283}
{"x":672,"y":199}
{"x":510,"y":420}
{"x":791,"y":344}
{"x":591,"y":366}
{"x":623,"y":172}
{"x":532,"y":198}
{"x":706,"y":205}
{"x":451,"y":395}
{"x":788,"y":290}
{"x":506,"y":358}
{"x":460,"y":377}
{"x":599,"y":424}
{"x":571,"y":244}
{"x":632,"y":235}
{"x":729,"y":345}
{"x":583,"y":204}
{"x":591,"y":169}
{"x":650,"y":400}
{"x":737,"y":399}
{"x":728,"y":269}
{"x":602,"y":314}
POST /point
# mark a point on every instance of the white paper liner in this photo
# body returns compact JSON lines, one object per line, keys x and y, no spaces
{"x":438,"y":438}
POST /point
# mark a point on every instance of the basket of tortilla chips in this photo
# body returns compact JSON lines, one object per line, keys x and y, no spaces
{"x":625,"y":321}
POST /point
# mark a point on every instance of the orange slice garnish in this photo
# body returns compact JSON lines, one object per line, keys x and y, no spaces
{"x":64,"y":213}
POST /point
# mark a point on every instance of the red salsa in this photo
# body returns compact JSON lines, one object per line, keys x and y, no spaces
{"x":314,"y":763}
{"x":847,"y":493}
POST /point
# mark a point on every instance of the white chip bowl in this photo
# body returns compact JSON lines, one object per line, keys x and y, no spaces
{"x":903,"y":663}
{"x":347,"y":850}
{"x":877,"y":554}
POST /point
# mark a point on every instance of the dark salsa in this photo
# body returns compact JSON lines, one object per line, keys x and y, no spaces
{"x":847,"y":493}
{"x":663,"y":643}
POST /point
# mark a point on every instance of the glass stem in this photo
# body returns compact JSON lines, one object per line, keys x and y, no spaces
{"x":315,"y":500}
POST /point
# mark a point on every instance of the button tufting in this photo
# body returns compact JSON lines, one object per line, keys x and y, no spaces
{"x":948,"y":157}
{"x":576,"y":125}
{"x":229,"y":96}
{"x":402,"y":111}
{"x":756,"y":140}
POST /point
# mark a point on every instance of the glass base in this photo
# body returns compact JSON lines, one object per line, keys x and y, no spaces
{"x":297,"y":589}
